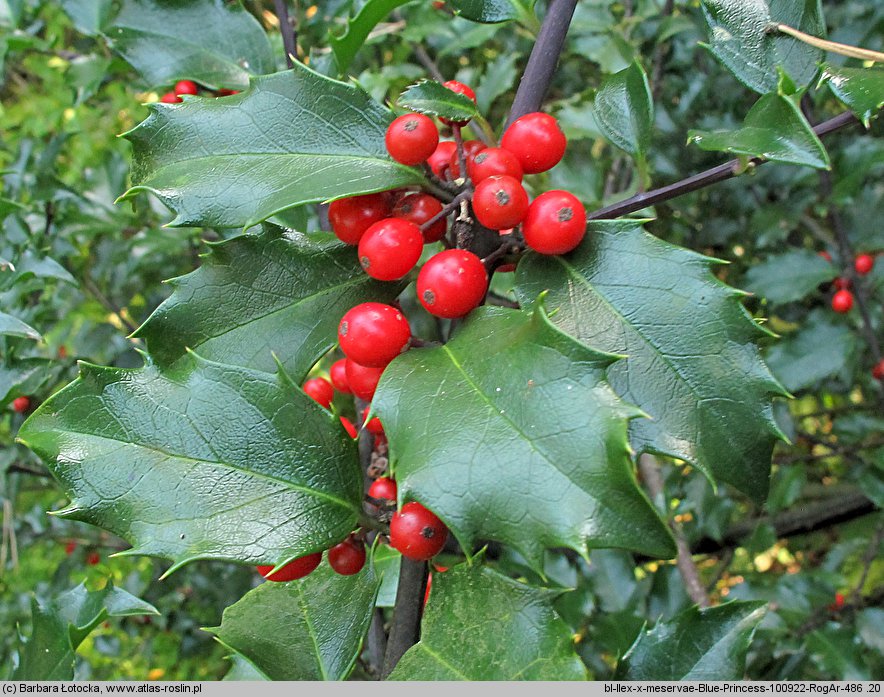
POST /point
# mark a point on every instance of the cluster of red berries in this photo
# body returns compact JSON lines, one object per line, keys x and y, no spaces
{"x":346,"y":558}
{"x":842,"y":299}
{"x":183,"y":87}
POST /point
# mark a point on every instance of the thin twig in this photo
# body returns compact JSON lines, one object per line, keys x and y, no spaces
{"x":425,"y":60}
{"x":659,"y":54}
{"x":287,"y":29}
{"x":108,"y":304}
{"x":449,"y":208}
{"x":863,"y":54}
{"x":700,"y":181}
{"x":21,"y":469}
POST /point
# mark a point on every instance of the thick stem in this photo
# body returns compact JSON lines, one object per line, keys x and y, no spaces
{"x":406,"y":629}
{"x":700,"y":181}
{"x":543,"y":59}
{"x":287,"y":30}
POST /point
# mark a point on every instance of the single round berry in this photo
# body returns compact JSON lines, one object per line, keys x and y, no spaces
{"x":471,"y":148}
{"x":363,"y":379}
{"x":297,"y":568}
{"x":390,"y":248}
{"x":864,"y":264}
{"x":417,"y":533}
{"x":186,"y":87}
{"x":411,"y":139}
{"x":491,"y":161}
{"x":348,"y":557}
{"x":877,"y":373}
{"x":70,"y":547}
{"x":418,"y":209}
{"x":452,"y":283}
{"x":21,"y":404}
{"x":500,"y":202}
{"x":841,"y":283}
{"x":171,"y":98}
{"x":441,"y":157}
{"x":825,"y":255}
{"x":338,"y":375}
{"x":351,"y":217}
{"x":555,"y":224}
{"x":349,"y":427}
{"x":320,"y":390}
{"x":93,"y":558}
{"x":842,"y":301}
{"x":463,"y":89}
{"x":373,"y":425}
{"x":373,"y":334}
{"x":536,"y":140}
{"x":383,"y":488}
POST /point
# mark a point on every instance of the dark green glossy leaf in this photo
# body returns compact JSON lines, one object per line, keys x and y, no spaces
{"x":432,"y":98}
{"x":774,"y":129}
{"x":481,"y":625}
{"x":822,"y":346}
{"x":216,"y":43}
{"x":242,"y":670}
{"x":259,"y":296}
{"x":740,"y":38}
{"x":492,"y":11}
{"x":12,"y":326}
{"x":47,"y":654}
{"x":510,"y":432}
{"x":861,"y":89}
{"x":783,"y":278}
{"x":206,"y":461}
{"x":83,"y":609}
{"x":698,"y":644}
{"x":347,"y":45}
{"x":624,"y":110}
{"x":21,"y":377}
{"x":295,"y":137}
{"x":309,"y":629}
{"x":691,"y":362}
{"x":89,"y":16}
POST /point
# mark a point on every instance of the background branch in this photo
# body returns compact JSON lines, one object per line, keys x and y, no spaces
{"x":287,"y":29}
{"x":406,"y":628}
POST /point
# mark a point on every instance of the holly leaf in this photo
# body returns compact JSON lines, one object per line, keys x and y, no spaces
{"x":708,"y":644}
{"x":783,"y":278}
{"x":84,"y":610}
{"x":774,"y":129}
{"x":22,"y":377}
{"x":624,"y":110}
{"x":309,"y":629}
{"x":740,"y":37}
{"x":295,"y":137}
{"x":215,"y":42}
{"x":347,"y":45}
{"x":276,"y":294}
{"x":494,"y":11}
{"x":12,"y":326}
{"x":510,"y":432}
{"x":203,"y":461}
{"x":47,"y":654}
{"x":433,"y":98}
{"x":482,"y":625}
{"x":691,"y":361}
{"x":861,"y":89}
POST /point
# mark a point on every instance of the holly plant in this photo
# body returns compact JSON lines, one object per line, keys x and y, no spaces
{"x":454,"y":359}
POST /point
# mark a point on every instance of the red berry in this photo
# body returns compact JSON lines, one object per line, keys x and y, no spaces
{"x":555,"y":224}
{"x":373,"y":425}
{"x":338,"y":374}
{"x":417,"y":533}
{"x":841,"y":283}
{"x":320,"y":390}
{"x":864,"y":263}
{"x":373,"y":334}
{"x":825,"y":255}
{"x":171,"y":98}
{"x":500,"y":202}
{"x":70,"y":547}
{"x":878,"y":370}
{"x":93,"y":558}
{"x":224,"y":92}
{"x":383,"y":488}
{"x":348,"y":557}
{"x":491,"y":161}
{"x":842,"y":301}
{"x":186,"y":87}
{"x":839,"y":601}
{"x":505,"y":268}
{"x":297,"y":568}
{"x":471,"y":148}
{"x":363,"y":379}
{"x":390,"y":248}
{"x":349,"y":427}
{"x":411,"y":139}
{"x":21,"y":404}
{"x":536,"y":140}
{"x":429,"y":587}
{"x":418,"y":209}
{"x":452,"y":283}
{"x":463,"y":89}
{"x":351,"y":217}
{"x":441,"y":157}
